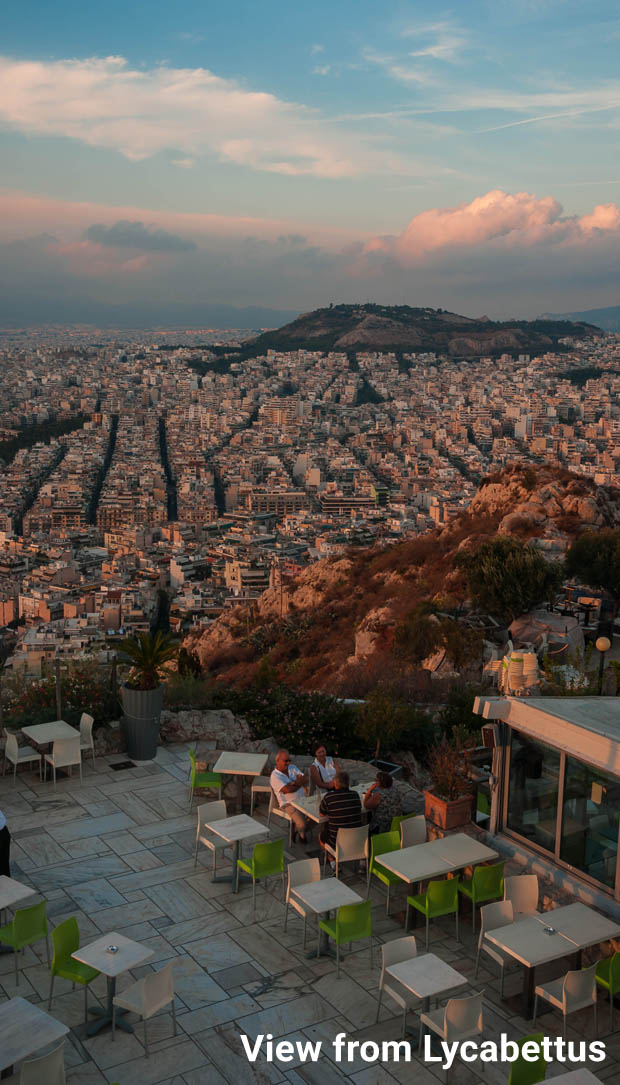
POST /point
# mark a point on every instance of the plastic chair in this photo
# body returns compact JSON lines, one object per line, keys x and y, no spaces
{"x":486,"y":884}
{"x":267,"y":859}
{"x":65,"y":940}
{"x":210,"y":811}
{"x":65,"y":753}
{"x":352,"y":922}
{"x":459,"y":1019}
{"x":260,"y":786}
{"x":16,"y":755}
{"x":522,"y":891}
{"x":381,"y":844}
{"x":492,"y":917}
{"x":441,"y":898}
{"x":523,"y":1072}
{"x":608,"y":977}
{"x":400,"y":949}
{"x":413,"y":831}
{"x":572,"y":992}
{"x":146,"y":997}
{"x":48,"y":1069}
{"x":275,"y":808}
{"x":301,"y":872}
{"x":212,"y":780}
{"x":351,"y":845}
{"x":86,"y":734}
{"x":28,"y":925}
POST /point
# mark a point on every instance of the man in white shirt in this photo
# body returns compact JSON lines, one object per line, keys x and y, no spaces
{"x":286,"y":781}
{"x":5,"y":846}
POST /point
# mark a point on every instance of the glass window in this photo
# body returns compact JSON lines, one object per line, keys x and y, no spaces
{"x":533,"y":790}
{"x":590,"y":821}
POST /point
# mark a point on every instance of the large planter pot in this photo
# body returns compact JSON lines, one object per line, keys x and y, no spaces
{"x":447,"y":813}
{"x":140,"y":723}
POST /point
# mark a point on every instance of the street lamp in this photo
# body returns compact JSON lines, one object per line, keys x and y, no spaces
{"x":603,"y":645}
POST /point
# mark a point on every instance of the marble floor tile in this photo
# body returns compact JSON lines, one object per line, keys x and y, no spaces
{"x":90,"y":827}
{"x":95,"y":895}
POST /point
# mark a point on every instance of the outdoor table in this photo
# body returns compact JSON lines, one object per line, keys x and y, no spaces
{"x":233,"y":830}
{"x":426,"y":976}
{"x":130,"y":954}
{"x":240,"y":765}
{"x":417,"y":863}
{"x":46,"y":733}
{"x":581,"y":925}
{"x":322,"y":897}
{"x":309,"y":804}
{"x":12,"y":892}
{"x":462,"y":850}
{"x":528,"y":943}
{"x":24,"y":1030}
{"x":577,"y":1077}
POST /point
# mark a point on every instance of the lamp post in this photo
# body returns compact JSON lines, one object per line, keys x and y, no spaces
{"x":603,"y":645}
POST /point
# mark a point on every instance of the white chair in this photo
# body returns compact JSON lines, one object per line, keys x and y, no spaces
{"x":515,"y":674}
{"x":260,"y":786}
{"x":492,"y":917}
{"x":49,"y":1069}
{"x":459,"y":1019}
{"x":275,"y":808}
{"x":522,"y":891}
{"x":147,"y":996}
{"x":65,"y":753}
{"x":413,"y":831}
{"x":572,"y":992}
{"x":18,"y":755}
{"x":301,"y":872}
{"x":395,"y":952}
{"x":351,"y":844}
{"x":86,"y":734}
{"x":210,"y":811}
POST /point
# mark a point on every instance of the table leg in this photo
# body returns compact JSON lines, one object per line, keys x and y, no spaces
{"x":240,"y":793}
{"x":323,"y":948}
{"x":235,"y":874}
{"x":527,"y":997}
{"x":104,"y":1013}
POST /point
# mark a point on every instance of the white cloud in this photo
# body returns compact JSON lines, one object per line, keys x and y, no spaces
{"x":322,"y":69}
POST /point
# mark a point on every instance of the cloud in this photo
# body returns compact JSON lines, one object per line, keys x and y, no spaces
{"x":322,"y":69}
{"x":438,"y":41}
{"x":135,"y":235}
{"x":314,"y":49}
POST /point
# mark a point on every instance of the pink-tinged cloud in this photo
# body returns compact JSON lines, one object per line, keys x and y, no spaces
{"x":496,"y":219}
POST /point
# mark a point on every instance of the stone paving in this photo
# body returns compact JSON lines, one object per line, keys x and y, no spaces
{"x":117,"y":852}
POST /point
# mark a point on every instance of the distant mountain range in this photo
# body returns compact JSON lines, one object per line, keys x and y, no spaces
{"x":403,"y":328}
{"x":608,"y":319}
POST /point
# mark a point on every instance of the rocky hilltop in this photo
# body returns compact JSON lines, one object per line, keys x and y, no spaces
{"x":334,"y":627}
{"x":402,"y":328}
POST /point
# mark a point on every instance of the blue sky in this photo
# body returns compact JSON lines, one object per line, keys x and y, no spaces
{"x":314,"y":152}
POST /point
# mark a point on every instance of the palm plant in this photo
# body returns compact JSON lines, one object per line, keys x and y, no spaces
{"x":148,"y":654}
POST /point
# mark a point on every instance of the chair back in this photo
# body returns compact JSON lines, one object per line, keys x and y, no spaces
{"x":614,"y":972}
{"x":413,"y":831}
{"x":381,"y":843}
{"x":30,"y":924}
{"x":523,"y":1072}
{"x":488,"y":881}
{"x":463,"y":1017}
{"x":579,"y":989}
{"x":11,"y":748}
{"x":302,"y":872}
{"x":268,"y":858}
{"x":352,"y":843}
{"x":157,"y":990}
{"x":353,"y":921}
{"x":443,"y":894}
{"x":65,"y":940}
{"x":49,"y":1068}
{"x":494,"y":916}
{"x":86,"y":727}
{"x":211,"y":811}
{"x":396,"y":951}
{"x":522,"y":890}
{"x":66,"y":751}
{"x":192,"y":760}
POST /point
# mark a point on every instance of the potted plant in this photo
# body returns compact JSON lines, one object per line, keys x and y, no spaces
{"x":142,"y":694}
{"x":448,"y":801}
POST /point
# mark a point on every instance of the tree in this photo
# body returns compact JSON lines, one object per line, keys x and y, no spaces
{"x":594,"y":558}
{"x":463,"y":645}
{"x":417,"y":637}
{"x":506,"y":577}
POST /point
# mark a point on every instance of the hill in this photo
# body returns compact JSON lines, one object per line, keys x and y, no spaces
{"x":608,"y":319}
{"x":401,"y":328}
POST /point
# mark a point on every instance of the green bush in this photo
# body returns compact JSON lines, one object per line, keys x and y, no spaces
{"x":84,"y":688}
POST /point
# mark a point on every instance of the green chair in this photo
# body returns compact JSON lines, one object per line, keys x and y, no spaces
{"x":212,"y":780}
{"x":523,"y":1072}
{"x":352,"y":922}
{"x":65,"y":940}
{"x":441,"y":898}
{"x":486,"y":884}
{"x":28,"y":925}
{"x":608,"y":977}
{"x":267,"y":859}
{"x":396,"y":821}
{"x":380,"y":844}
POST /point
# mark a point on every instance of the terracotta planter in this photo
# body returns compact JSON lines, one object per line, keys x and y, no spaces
{"x":447,"y":813}
{"x":140,"y":723}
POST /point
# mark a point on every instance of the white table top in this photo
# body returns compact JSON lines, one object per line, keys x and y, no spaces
{"x":462,"y":850}
{"x":238,"y":827}
{"x":527,"y":942}
{"x":240,"y":764}
{"x":49,"y":732}
{"x":25,"y":1029}
{"x":577,"y":1077}
{"x":11,"y":891}
{"x":416,"y":863}
{"x":326,"y":894}
{"x":130,"y":954}
{"x":581,"y":925}
{"x":426,"y":975}
{"x":309,"y":804}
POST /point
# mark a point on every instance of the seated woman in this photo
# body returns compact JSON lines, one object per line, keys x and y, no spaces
{"x":384,"y":802}
{"x":323,"y":770}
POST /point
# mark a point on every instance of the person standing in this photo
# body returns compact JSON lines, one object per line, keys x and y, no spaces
{"x":5,"y":846}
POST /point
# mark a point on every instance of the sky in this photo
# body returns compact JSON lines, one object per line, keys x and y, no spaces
{"x":161,"y":158}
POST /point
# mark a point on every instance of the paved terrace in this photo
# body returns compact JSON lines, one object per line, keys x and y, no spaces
{"x":117,"y":852}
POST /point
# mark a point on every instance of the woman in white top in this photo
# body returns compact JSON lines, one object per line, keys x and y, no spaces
{"x":323,"y":769}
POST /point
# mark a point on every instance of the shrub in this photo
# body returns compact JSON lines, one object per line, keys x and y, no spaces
{"x":507,"y":577}
{"x":449,"y":768}
{"x":84,"y":688}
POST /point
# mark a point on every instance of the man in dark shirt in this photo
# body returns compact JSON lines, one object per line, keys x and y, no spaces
{"x":343,"y":807}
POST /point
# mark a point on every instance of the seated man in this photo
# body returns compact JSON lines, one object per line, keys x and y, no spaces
{"x":343,"y":807}
{"x":286,"y":781}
